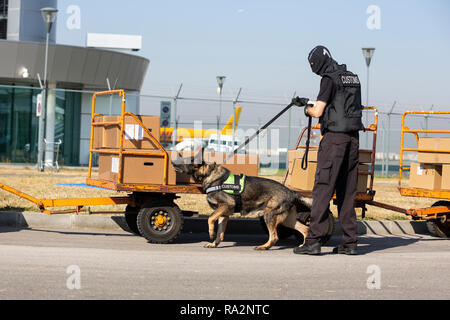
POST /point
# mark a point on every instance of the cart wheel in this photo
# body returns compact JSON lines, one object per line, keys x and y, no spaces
{"x":131,"y":219}
{"x":439,"y":227}
{"x":160,"y":221}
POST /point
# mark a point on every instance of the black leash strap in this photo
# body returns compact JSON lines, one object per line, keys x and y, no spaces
{"x":231,"y":154}
{"x":237,"y":193}
{"x":305,"y":155}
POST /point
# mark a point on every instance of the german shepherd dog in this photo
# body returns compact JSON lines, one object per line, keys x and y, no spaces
{"x":277,"y":203}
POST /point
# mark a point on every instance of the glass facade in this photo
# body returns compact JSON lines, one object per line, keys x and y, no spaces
{"x":3,"y":18}
{"x":19,"y":125}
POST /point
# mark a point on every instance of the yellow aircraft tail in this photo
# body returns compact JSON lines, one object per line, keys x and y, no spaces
{"x":229,"y":125}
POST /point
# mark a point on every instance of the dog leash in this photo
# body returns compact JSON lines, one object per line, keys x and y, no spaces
{"x":305,"y":156}
{"x":231,"y":154}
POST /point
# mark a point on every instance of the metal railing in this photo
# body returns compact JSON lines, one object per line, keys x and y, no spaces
{"x":404,"y":129}
{"x":120,"y":150}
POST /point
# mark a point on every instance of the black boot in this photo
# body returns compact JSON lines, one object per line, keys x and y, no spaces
{"x":346,"y":250}
{"x":312,"y":249}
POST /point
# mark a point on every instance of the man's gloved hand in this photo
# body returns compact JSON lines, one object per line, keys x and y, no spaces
{"x":300,"y":102}
{"x":306,"y":110}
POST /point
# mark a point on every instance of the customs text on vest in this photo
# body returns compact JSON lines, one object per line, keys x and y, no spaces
{"x":344,"y":112}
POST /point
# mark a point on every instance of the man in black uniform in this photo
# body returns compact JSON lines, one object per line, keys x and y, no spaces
{"x":339,"y":110}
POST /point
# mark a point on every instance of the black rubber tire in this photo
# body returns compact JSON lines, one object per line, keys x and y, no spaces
{"x":164,"y":236}
{"x":131,"y":214}
{"x":436,"y":227}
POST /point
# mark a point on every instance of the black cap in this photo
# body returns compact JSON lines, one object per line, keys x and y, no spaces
{"x":319,"y":58}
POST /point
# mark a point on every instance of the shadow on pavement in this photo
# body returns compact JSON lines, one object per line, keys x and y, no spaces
{"x":366,"y":244}
{"x":10,"y":218}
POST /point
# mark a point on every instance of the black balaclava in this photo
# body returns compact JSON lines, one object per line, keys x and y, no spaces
{"x":321,"y":61}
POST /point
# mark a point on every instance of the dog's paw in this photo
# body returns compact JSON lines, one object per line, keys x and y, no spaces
{"x":210,"y":245}
{"x":261,"y":248}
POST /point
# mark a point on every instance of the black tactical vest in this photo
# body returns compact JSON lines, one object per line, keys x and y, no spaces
{"x":344,"y":112}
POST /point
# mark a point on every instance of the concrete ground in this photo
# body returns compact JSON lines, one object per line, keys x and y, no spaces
{"x":66,"y":264}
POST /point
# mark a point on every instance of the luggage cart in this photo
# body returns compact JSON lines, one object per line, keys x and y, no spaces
{"x":438,"y":215}
{"x":150,"y":208}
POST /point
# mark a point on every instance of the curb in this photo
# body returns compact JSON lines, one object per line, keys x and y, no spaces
{"x":191,"y":225}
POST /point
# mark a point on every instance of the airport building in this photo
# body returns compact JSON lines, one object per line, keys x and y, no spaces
{"x":74,"y":73}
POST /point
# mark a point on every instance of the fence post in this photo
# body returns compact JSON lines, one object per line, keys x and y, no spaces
{"x":389,"y":137}
{"x":234,"y":116}
{"x":175,"y":120}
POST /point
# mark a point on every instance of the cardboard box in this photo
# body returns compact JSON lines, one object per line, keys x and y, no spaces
{"x":139,"y":169}
{"x":362,"y":178}
{"x":298,"y":153}
{"x":304,"y":179}
{"x":434,"y":144}
{"x":147,"y":169}
{"x":135,"y":136}
{"x":240,"y":163}
{"x":364,"y":155}
{"x":98,"y":134}
{"x":445,"y":181}
{"x":301,"y":179}
{"x":425,"y":176}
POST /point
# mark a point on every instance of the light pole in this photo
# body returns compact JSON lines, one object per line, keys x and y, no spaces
{"x":49,"y":17}
{"x":389,"y":137}
{"x":368,"y":54}
{"x":220,"y":82}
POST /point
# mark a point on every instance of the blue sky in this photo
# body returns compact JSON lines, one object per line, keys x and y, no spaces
{"x":262,"y":46}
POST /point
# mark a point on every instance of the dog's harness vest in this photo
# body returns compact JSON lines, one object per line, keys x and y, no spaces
{"x":233,"y":185}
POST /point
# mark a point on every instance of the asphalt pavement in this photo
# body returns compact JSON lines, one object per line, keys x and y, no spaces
{"x":66,"y":264}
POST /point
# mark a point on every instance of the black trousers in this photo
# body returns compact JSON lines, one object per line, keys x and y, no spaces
{"x":337,"y":170}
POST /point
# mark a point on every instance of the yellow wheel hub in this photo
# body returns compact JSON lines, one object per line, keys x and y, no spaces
{"x":161,"y":221}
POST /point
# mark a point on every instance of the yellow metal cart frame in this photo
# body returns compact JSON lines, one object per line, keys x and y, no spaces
{"x":441,"y":209}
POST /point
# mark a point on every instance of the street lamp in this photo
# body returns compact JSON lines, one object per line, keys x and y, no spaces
{"x":220,"y":82}
{"x":368,"y":54}
{"x":49,"y":17}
